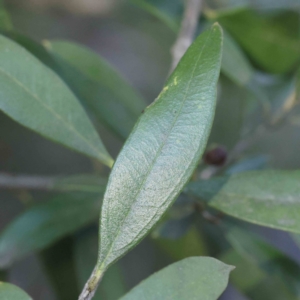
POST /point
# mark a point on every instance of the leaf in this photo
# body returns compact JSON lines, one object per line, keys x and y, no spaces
{"x":99,"y":87}
{"x":34,"y":96}
{"x":45,"y":223}
{"x":12,"y":292}
{"x":271,"y":43}
{"x":35,"y":48}
{"x":192,"y":278}
{"x":85,"y":254}
{"x":225,"y":6}
{"x":268,"y":198}
{"x":271,"y":260}
{"x":5,"y":21}
{"x":163,"y":150}
{"x":235,"y":64}
{"x":247,"y":274}
{"x":158,"y":13}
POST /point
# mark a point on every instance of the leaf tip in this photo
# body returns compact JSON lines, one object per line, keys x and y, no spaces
{"x":217,"y":27}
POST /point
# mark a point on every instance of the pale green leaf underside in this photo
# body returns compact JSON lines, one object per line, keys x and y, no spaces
{"x":12,"y":292}
{"x":162,"y":151}
{"x":37,"y":98}
{"x":193,"y":278}
{"x":269,"y":198}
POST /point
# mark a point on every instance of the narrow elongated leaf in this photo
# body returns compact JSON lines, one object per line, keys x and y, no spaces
{"x":162,"y":151}
{"x":269,"y":198}
{"x":192,"y":278}
{"x":45,"y":223}
{"x":99,"y":87}
{"x":11,"y":292}
{"x":235,"y":64}
{"x":35,"y":48}
{"x":34,"y":96}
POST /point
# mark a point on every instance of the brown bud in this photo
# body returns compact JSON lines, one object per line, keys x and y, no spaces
{"x":216,"y":156}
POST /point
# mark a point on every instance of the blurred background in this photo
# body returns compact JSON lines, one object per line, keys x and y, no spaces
{"x":258,"y":75}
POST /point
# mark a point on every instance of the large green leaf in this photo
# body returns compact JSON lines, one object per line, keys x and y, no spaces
{"x":192,"y":278}
{"x":269,"y":198}
{"x":12,"y":292}
{"x":270,"y":42}
{"x":45,"y":223}
{"x":37,"y":98}
{"x":162,"y":151}
{"x":100,"y":88}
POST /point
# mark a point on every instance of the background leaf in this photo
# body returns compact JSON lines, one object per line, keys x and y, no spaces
{"x":45,"y":223}
{"x":162,"y":151}
{"x":5,"y":21}
{"x":12,"y":292}
{"x":270,"y":42}
{"x":100,"y":88}
{"x":268,"y":198}
{"x":34,"y":96}
{"x":192,"y":278}
{"x":235,"y":64}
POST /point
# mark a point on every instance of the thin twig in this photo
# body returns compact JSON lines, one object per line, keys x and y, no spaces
{"x":8,"y":181}
{"x":187,"y":30}
{"x":91,"y":285}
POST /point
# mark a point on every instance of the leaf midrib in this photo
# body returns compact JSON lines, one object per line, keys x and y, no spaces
{"x":53,"y":112}
{"x":159,"y":150}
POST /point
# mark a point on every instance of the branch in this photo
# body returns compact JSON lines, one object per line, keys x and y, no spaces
{"x":75,"y":183}
{"x":91,"y":285}
{"x":187,"y":30}
{"x":8,"y":181}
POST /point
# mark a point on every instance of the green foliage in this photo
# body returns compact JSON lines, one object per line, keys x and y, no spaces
{"x":269,"y":198}
{"x":158,"y":186}
{"x":30,"y":89}
{"x":100,"y":88}
{"x":45,"y":223}
{"x":192,"y":278}
{"x":11,"y":292}
{"x":271,"y":44}
{"x":139,"y":191}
